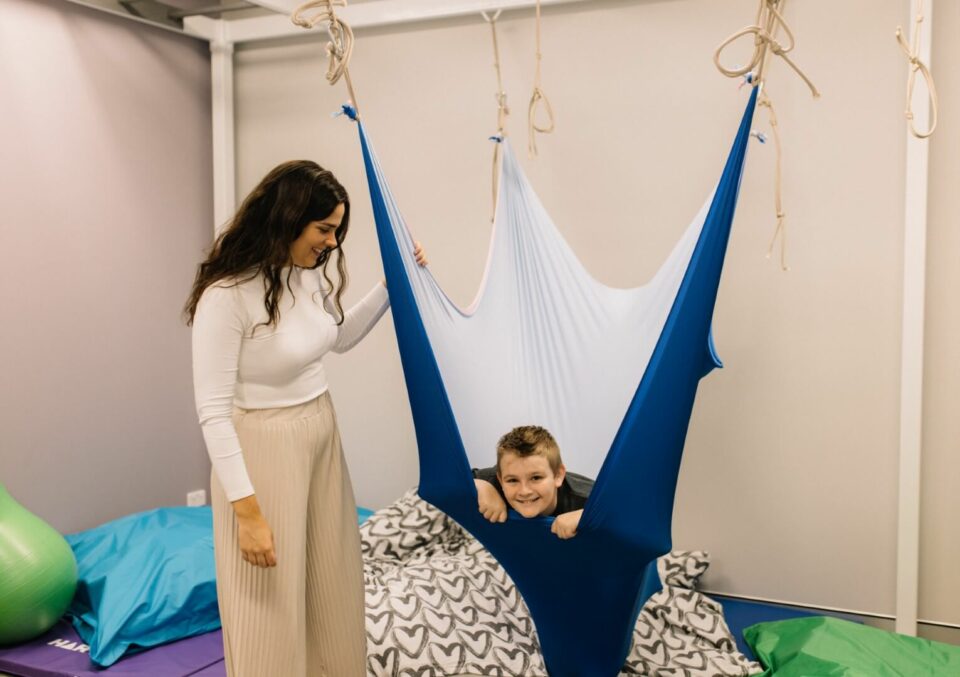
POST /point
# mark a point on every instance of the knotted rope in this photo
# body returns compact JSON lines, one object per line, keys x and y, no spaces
{"x":340,"y":47}
{"x":917,"y":65}
{"x":502,"y":109}
{"x":535,"y":100}
{"x":764,"y":101}
{"x":764,"y":30}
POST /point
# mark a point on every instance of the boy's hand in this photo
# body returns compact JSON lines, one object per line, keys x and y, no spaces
{"x":492,"y":506}
{"x":565,"y":525}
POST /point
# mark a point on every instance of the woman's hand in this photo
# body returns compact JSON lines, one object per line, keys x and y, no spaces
{"x":491,"y":504}
{"x":418,"y":254}
{"x":254,"y":534}
{"x":565,"y":525}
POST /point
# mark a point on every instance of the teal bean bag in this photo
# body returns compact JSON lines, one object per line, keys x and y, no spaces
{"x":38,"y":573}
{"x":145,"y":579}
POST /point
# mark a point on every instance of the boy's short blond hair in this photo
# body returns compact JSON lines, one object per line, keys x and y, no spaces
{"x":530,"y":440}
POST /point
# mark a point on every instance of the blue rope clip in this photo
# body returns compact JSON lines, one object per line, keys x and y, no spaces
{"x":348,"y":110}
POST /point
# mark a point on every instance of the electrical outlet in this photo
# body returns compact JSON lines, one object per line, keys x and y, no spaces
{"x":197,"y":498}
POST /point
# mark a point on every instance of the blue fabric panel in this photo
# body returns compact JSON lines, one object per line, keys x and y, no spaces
{"x":585,"y":593}
{"x":648,"y":447}
{"x":145,"y":579}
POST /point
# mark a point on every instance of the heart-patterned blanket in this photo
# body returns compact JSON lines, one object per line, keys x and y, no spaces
{"x":439,"y":604}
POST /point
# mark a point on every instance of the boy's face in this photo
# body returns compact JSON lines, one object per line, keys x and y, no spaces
{"x":529,"y":484}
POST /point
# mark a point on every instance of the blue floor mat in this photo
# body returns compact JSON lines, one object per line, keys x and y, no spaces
{"x":742,"y":614}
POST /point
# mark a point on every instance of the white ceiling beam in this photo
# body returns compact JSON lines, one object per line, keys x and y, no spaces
{"x":370,"y":14}
{"x":281,"y":6}
{"x":204,"y":27}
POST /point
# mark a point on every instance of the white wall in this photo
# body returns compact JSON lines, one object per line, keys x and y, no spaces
{"x":106,"y":206}
{"x":789,"y":477}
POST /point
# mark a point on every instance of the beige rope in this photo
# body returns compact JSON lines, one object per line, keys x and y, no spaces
{"x":918,"y":65}
{"x":502,"y":109}
{"x":780,"y":231}
{"x":340,"y":47}
{"x":535,"y":100}
{"x":764,"y":29}
{"x":769,"y":21}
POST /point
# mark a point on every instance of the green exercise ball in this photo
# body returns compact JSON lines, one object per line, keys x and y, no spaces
{"x":38,"y":573}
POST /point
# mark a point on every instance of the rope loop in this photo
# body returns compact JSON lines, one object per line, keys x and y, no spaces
{"x":536,"y":99}
{"x":340,"y":48}
{"x":916,"y":65}
{"x":769,"y":20}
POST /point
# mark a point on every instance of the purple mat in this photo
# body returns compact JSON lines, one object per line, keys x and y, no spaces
{"x":61,"y":653}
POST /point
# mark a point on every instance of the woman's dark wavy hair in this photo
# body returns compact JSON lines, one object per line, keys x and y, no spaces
{"x":258,"y":239}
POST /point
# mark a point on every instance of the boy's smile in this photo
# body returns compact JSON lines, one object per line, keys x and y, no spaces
{"x":529,"y":484}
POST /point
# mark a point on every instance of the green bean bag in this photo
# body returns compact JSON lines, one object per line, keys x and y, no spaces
{"x":830,"y":647}
{"x":38,"y":573}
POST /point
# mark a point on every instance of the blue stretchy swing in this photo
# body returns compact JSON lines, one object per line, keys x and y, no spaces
{"x":546,"y":344}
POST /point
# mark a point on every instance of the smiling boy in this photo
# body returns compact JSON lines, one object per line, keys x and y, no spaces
{"x":531,"y":478}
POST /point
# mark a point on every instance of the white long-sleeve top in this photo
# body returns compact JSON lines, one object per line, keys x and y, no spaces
{"x":238,"y":363}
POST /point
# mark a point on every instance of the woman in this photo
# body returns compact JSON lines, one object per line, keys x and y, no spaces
{"x":264,"y":312}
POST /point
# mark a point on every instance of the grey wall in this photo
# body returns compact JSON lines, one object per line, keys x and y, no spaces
{"x":106,"y":205}
{"x":790,"y":472}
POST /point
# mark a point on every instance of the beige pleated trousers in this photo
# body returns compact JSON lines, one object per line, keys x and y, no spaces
{"x":304,"y":617}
